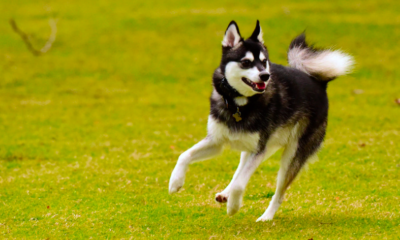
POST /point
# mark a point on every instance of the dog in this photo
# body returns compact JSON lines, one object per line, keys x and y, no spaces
{"x":258,"y":107}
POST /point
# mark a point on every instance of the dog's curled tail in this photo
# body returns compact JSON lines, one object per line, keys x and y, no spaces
{"x":325,"y":64}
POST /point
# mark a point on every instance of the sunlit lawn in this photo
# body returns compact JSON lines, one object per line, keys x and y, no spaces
{"x":90,"y":131}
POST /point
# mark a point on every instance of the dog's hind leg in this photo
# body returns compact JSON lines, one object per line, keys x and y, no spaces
{"x":203,"y":150}
{"x":295,"y":155}
{"x":277,"y":199}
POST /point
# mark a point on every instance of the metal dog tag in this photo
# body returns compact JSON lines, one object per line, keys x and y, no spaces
{"x":237,"y":116}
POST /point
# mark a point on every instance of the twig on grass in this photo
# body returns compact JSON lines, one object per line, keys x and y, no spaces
{"x":26,"y":39}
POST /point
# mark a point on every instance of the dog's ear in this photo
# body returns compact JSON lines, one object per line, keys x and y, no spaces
{"x":258,"y":33}
{"x":232,"y":35}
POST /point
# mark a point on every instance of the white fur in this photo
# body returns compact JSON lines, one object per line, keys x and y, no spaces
{"x":262,"y":57}
{"x":241,"y":101}
{"x":243,"y":159}
{"x":241,"y":141}
{"x":235,"y":189}
{"x":277,"y":199}
{"x":232,"y":37}
{"x":238,"y":185}
{"x":285,"y":136}
{"x":220,"y":135}
{"x":205,"y":149}
{"x":248,"y":56}
{"x":327,"y":64}
{"x":291,"y":135}
{"x":234,"y":74}
{"x":277,"y":140}
{"x":260,"y":36}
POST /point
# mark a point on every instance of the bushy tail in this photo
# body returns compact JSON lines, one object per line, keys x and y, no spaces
{"x":325,"y":65}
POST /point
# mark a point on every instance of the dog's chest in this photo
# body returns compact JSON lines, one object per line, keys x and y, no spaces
{"x":242,"y":141}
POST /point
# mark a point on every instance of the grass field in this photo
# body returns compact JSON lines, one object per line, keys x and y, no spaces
{"x":90,"y":131}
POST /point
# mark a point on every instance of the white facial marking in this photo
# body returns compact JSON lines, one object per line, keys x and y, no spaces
{"x":248,"y":56}
{"x":262,"y":57}
{"x":234,"y":74}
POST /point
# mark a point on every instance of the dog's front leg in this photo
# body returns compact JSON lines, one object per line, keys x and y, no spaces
{"x":239,"y":184}
{"x":203,"y":150}
{"x":222,"y":197}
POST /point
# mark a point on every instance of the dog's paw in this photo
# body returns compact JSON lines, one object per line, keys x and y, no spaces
{"x":173,"y":188}
{"x":221,"y":197}
{"x":264,"y":219}
{"x":267,"y":216}
{"x":234,"y":201}
{"x":175,"y":183}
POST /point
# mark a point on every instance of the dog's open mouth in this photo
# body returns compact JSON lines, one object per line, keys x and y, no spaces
{"x":258,"y":87}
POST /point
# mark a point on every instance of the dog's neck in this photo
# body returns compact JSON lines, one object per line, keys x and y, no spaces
{"x":230,"y":95}
{"x":226,"y":90}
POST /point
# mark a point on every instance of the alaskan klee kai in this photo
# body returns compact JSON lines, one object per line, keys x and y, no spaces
{"x":258,"y":107}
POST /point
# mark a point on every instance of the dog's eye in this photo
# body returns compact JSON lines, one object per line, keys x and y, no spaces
{"x":246,"y":63}
{"x":264,"y":62}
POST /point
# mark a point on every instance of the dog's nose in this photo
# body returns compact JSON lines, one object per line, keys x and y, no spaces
{"x":264,"y":76}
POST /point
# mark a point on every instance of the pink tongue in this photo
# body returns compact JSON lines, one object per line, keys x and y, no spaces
{"x":260,"y":85}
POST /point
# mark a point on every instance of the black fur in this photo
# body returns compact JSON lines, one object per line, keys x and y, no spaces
{"x":299,"y":41}
{"x":291,"y":96}
{"x":293,"y":108}
{"x":256,"y":32}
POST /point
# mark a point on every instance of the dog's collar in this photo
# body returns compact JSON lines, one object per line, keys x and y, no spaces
{"x":228,"y":93}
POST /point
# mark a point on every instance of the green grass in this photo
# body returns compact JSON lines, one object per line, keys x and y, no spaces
{"x":90,"y":131}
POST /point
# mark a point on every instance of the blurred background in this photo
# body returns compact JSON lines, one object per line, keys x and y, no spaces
{"x":90,"y":129}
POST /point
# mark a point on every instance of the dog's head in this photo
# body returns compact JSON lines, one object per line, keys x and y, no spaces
{"x":245,"y":63}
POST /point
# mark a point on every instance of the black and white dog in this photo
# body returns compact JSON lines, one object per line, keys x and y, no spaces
{"x":258,"y":107}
